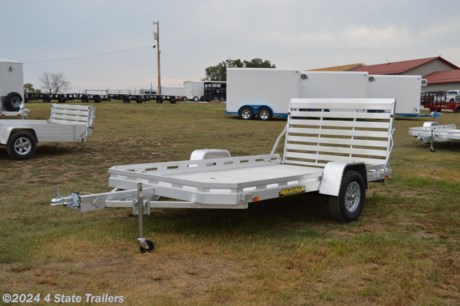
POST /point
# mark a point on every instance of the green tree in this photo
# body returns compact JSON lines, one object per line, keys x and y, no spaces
{"x":29,"y":88}
{"x":219,"y":71}
{"x":258,"y":63}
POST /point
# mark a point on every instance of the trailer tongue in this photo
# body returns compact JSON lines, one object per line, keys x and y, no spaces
{"x":333,"y":146}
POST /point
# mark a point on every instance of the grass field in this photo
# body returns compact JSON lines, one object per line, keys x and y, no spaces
{"x":404,"y":250}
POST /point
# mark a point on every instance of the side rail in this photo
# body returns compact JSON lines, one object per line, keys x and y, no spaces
{"x":189,"y":166}
{"x":320,"y":131}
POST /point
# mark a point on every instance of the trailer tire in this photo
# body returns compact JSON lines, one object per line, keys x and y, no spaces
{"x":172,"y":100}
{"x":348,"y":205}
{"x":264,"y":114}
{"x":246,"y":113}
{"x":21,"y":145}
{"x":97,"y":99}
{"x":196,"y":99}
{"x":12,"y":101}
{"x":61,"y":98}
{"x":150,"y":247}
{"x":84,"y":99}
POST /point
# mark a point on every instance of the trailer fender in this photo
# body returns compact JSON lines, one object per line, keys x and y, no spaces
{"x":333,"y":176}
{"x":31,"y":131}
{"x":209,"y":154}
{"x":5,"y":135}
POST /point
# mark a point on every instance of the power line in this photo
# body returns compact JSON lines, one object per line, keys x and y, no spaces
{"x":86,"y":56}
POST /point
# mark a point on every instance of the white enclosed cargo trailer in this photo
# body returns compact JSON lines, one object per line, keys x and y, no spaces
{"x":193,"y":90}
{"x":205,"y":91}
{"x":66,"y":123}
{"x":11,"y":89}
{"x":261,"y":93}
{"x":328,"y":84}
{"x":406,"y":89}
{"x":172,"y":91}
{"x":332,"y":146}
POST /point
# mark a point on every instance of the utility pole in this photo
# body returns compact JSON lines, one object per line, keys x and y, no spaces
{"x":156,"y":36}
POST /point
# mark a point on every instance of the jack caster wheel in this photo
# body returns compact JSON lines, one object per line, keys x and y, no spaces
{"x":150,"y":247}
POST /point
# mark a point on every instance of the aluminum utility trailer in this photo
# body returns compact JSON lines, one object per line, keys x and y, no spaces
{"x":66,"y":123}
{"x":334,"y":146}
{"x":432,"y":132}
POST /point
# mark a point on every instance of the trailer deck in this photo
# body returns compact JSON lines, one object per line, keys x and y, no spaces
{"x":228,"y":181}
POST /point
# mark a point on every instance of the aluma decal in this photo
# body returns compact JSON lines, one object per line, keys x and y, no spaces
{"x":291,"y":191}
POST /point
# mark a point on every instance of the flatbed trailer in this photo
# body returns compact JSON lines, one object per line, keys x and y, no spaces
{"x":332,"y":146}
{"x":66,"y":123}
{"x":438,"y":106}
{"x":432,"y":132}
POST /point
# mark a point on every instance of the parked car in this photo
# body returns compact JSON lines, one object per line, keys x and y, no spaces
{"x":451,"y":94}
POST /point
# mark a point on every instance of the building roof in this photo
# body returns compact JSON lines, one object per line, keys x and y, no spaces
{"x":402,"y":66}
{"x":348,"y":67}
{"x":441,"y":77}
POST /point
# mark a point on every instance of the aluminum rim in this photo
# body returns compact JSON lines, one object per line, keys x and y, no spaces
{"x":264,"y":114}
{"x":16,"y":102}
{"x":246,"y":114}
{"x":22,"y":146}
{"x":352,"y":196}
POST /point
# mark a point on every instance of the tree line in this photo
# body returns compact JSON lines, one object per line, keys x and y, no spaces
{"x":219,"y":72}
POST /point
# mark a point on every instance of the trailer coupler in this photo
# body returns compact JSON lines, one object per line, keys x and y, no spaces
{"x":73,"y":200}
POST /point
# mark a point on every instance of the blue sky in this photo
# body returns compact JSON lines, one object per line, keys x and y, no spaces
{"x":108,"y":44}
